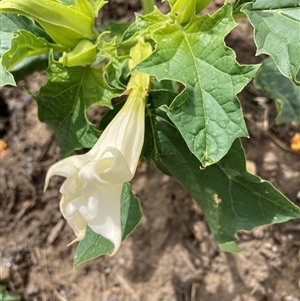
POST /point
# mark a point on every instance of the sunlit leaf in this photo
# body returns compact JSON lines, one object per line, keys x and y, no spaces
{"x":145,"y":25}
{"x":114,"y":67}
{"x":9,"y":24}
{"x":230,"y":197}
{"x":207,"y":113}
{"x":25,"y":44}
{"x":277,"y":28}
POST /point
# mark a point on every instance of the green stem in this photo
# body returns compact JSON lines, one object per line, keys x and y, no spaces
{"x":148,"y":6}
{"x":239,"y":15}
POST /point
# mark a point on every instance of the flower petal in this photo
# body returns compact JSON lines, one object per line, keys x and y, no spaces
{"x":101,"y":210}
{"x":74,"y":218}
{"x":127,"y":128}
{"x":109,"y":170}
{"x":67,"y":167}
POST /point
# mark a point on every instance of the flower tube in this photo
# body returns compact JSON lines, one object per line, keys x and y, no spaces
{"x":91,"y":193}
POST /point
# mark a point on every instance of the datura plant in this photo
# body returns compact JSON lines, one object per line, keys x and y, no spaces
{"x":92,"y":190}
{"x":176,"y":82}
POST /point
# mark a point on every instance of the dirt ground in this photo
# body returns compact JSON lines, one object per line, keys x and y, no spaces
{"x":171,"y":256}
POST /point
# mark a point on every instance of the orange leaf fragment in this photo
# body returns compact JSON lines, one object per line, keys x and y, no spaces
{"x":3,"y":146}
{"x":295,"y":142}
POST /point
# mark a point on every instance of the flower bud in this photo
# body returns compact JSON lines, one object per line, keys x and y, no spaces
{"x":184,"y":10}
{"x":83,"y":54}
{"x":65,"y":24}
{"x":85,"y":7}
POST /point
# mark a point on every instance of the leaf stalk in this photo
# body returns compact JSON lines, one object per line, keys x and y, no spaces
{"x":148,"y":6}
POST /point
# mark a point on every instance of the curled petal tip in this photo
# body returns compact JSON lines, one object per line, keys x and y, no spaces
{"x":116,"y":240}
{"x":67,"y":167}
{"x":49,"y":174}
{"x":73,"y":241}
{"x":46,"y":186}
{"x":115,"y":250}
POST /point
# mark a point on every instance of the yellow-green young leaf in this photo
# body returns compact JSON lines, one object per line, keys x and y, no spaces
{"x":197,"y":5}
{"x":277,"y":32}
{"x":145,"y":25}
{"x":230,"y":197}
{"x":115,"y":64}
{"x":25,"y":44}
{"x":97,"y":5}
{"x":64,"y":24}
{"x":87,"y":7}
{"x":10,"y":23}
{"x":207,"y":113}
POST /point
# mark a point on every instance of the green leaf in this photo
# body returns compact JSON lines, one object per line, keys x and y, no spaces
{"x":239,"y":3}
{"x":277,"y":27}
{"x":94,"y":245}
{"x":25,"y":44}
{"x":110,"y":115}
{"x":281,"y":89}
{"x":207,"y":113}
{"x":171,"y":2}
{"x":230,"y":197}
{"x":115,"y":64}
{"x":115,"y":29}
{"x":6,"y":78}
{"x":8,"y":296}
{"x":30,"y":65}
{"x":154,"y":113}
{"x":238,"y":6}
{"x":10,"y":23}
{"x":97,"y":5}
{"x":68,"y":2}
{"x":65,"y":99}
{"x":145,"y":25}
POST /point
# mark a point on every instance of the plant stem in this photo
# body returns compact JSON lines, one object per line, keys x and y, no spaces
{"x":239,"y":15}
{"x":148,"y":6}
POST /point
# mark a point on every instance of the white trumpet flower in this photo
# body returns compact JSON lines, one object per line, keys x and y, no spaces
{"x":92,"y":190}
